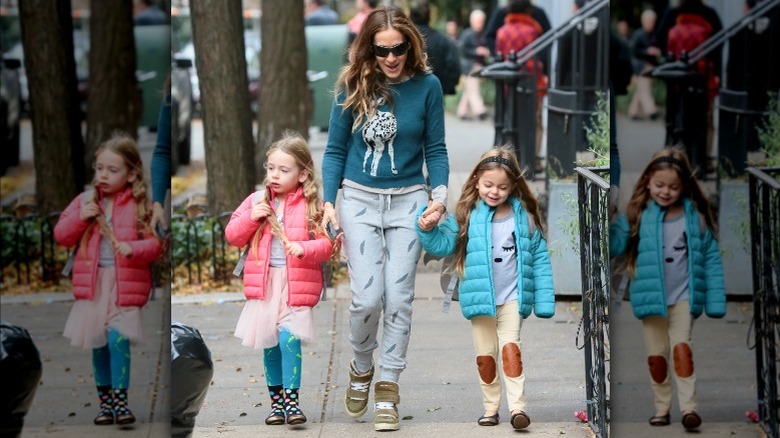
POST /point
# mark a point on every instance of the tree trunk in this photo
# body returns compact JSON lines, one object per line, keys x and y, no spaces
{"x":113,"y":102}
{"x":285,"y":99}
{"x":217,"y":31}
{"x":47,"y":37}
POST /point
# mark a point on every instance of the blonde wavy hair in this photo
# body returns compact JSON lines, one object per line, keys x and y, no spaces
{"x":470,"y":196}
{"x":362,"y":80}
{"x":123,"y":145}
{"x":294,"y":145}
{"x":641,"y":195}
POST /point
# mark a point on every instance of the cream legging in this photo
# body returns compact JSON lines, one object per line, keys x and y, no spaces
{"x":668,"y":345}
{"x":491,"y":337}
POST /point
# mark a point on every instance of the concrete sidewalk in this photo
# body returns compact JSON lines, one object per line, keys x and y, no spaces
{"x":725,"y":376}
{"x":66,"y":399}
{"x":439,"y":389}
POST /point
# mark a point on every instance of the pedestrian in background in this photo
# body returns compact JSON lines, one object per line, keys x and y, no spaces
{"x":364,"y":7}
{"x":112,"y":279}
{"x":668,"y":220}
{"x":387,"y":121}
{"x":281,"y":228}
{"x":645,"y":57}
{"x":519,"y":30}
{"x":472,"y":54}
{"x":443,"y":56}
{"x":501,"y":258}
{"x":318,"y":13}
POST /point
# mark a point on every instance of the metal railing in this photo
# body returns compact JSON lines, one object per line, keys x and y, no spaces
{"x":593,"y":199}
{"x":200,"y":238}
{"x":28,"y":245}
{"x":764,"y":186}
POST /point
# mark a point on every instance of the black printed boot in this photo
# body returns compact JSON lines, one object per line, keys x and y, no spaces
{"x":122,"y":412}
{"x":277,"y":406}
{"x":106,"y":414}
{"x":291,"y":409}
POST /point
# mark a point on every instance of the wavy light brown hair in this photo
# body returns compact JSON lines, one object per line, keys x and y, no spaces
{"x":123,"y":145}
{"x":362,"y":80}
{"x":641,"y":196}
{"x":470,"y":196}
{"x":294,"y":145}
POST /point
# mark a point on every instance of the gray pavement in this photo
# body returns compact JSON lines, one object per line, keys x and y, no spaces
{"x":725,"y":370}
{"x":439,"y":389}
{"x":66,"y":399}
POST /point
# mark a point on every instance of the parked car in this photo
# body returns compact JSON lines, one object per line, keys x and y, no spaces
{"x":10,"y":112}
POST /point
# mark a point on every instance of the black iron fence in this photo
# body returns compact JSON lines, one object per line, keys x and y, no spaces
{"x":765,"y":235}
{"x":199,"y":248}
{"x":29,"y":252}
{"x":30,"y":257}
{"x":593,"y":199}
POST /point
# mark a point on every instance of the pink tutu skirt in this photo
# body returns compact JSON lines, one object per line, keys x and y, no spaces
{"x":261,"y":320}
{"x":89,"y":320}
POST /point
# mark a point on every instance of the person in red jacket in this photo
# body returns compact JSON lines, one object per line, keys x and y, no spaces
{"x":282,"y":274}
{"x":112,"y":278}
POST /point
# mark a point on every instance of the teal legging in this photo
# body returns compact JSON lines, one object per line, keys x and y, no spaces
{"x":111,"y":362}
{"x":283,"y":362}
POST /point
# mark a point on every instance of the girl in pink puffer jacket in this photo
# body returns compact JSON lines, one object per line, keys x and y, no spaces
{"x":112,"y":279}
{"x":282,"y":273}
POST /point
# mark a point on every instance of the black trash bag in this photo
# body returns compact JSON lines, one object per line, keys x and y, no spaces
{"x":20,"y":368}
{"x":191,"y":372}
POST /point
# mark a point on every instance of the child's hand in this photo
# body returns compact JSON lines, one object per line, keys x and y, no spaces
{"x":88,"y":211}
{"x":294,"y":249}
{"x":123,"y":248}
{"x":426,"y":223}
{"x":260,"y":211}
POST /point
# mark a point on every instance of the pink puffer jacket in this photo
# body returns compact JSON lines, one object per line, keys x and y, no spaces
{"x":304,"y":275}
{"x":133,"y":274}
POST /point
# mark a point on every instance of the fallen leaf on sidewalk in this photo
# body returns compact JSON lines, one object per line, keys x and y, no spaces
{"x":445,"y":383}
{"x":433,"y":409}
{"x":243,"y":414}
{"x":238,"y":369}
{"x":252,"y":380}
{"x":408,"y":417}
{"x":72,"y":414}
{"x":257,"y":405}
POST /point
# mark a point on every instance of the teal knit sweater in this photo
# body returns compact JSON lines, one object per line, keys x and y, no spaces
{"x":388,"y":150}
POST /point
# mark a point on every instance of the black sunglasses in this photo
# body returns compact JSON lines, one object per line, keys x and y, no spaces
{"x":397,"y":50}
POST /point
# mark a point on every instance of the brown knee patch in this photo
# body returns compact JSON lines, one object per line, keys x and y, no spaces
{"x":513,"y":362}
{"x":658,"y":368}
{"x":683,"y":360}
{"x":487,"y":368}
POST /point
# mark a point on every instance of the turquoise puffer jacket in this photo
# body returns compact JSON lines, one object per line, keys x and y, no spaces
{"x":648,"y":295}
{"x":476,"y":290}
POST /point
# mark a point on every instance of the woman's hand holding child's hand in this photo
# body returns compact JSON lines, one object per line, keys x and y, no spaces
{"x":88,"y":211}
{"x":426,"y":223}
{"x":294,"y":249}
{"x":260,"y":211}
{"x":123,"y":248}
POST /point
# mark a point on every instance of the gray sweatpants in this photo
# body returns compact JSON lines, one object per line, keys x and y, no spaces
{"x":382,"y":251}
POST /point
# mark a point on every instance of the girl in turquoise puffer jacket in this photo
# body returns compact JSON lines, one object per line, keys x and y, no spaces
{"x":668,"y":235}
{"x":502,"y":260}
